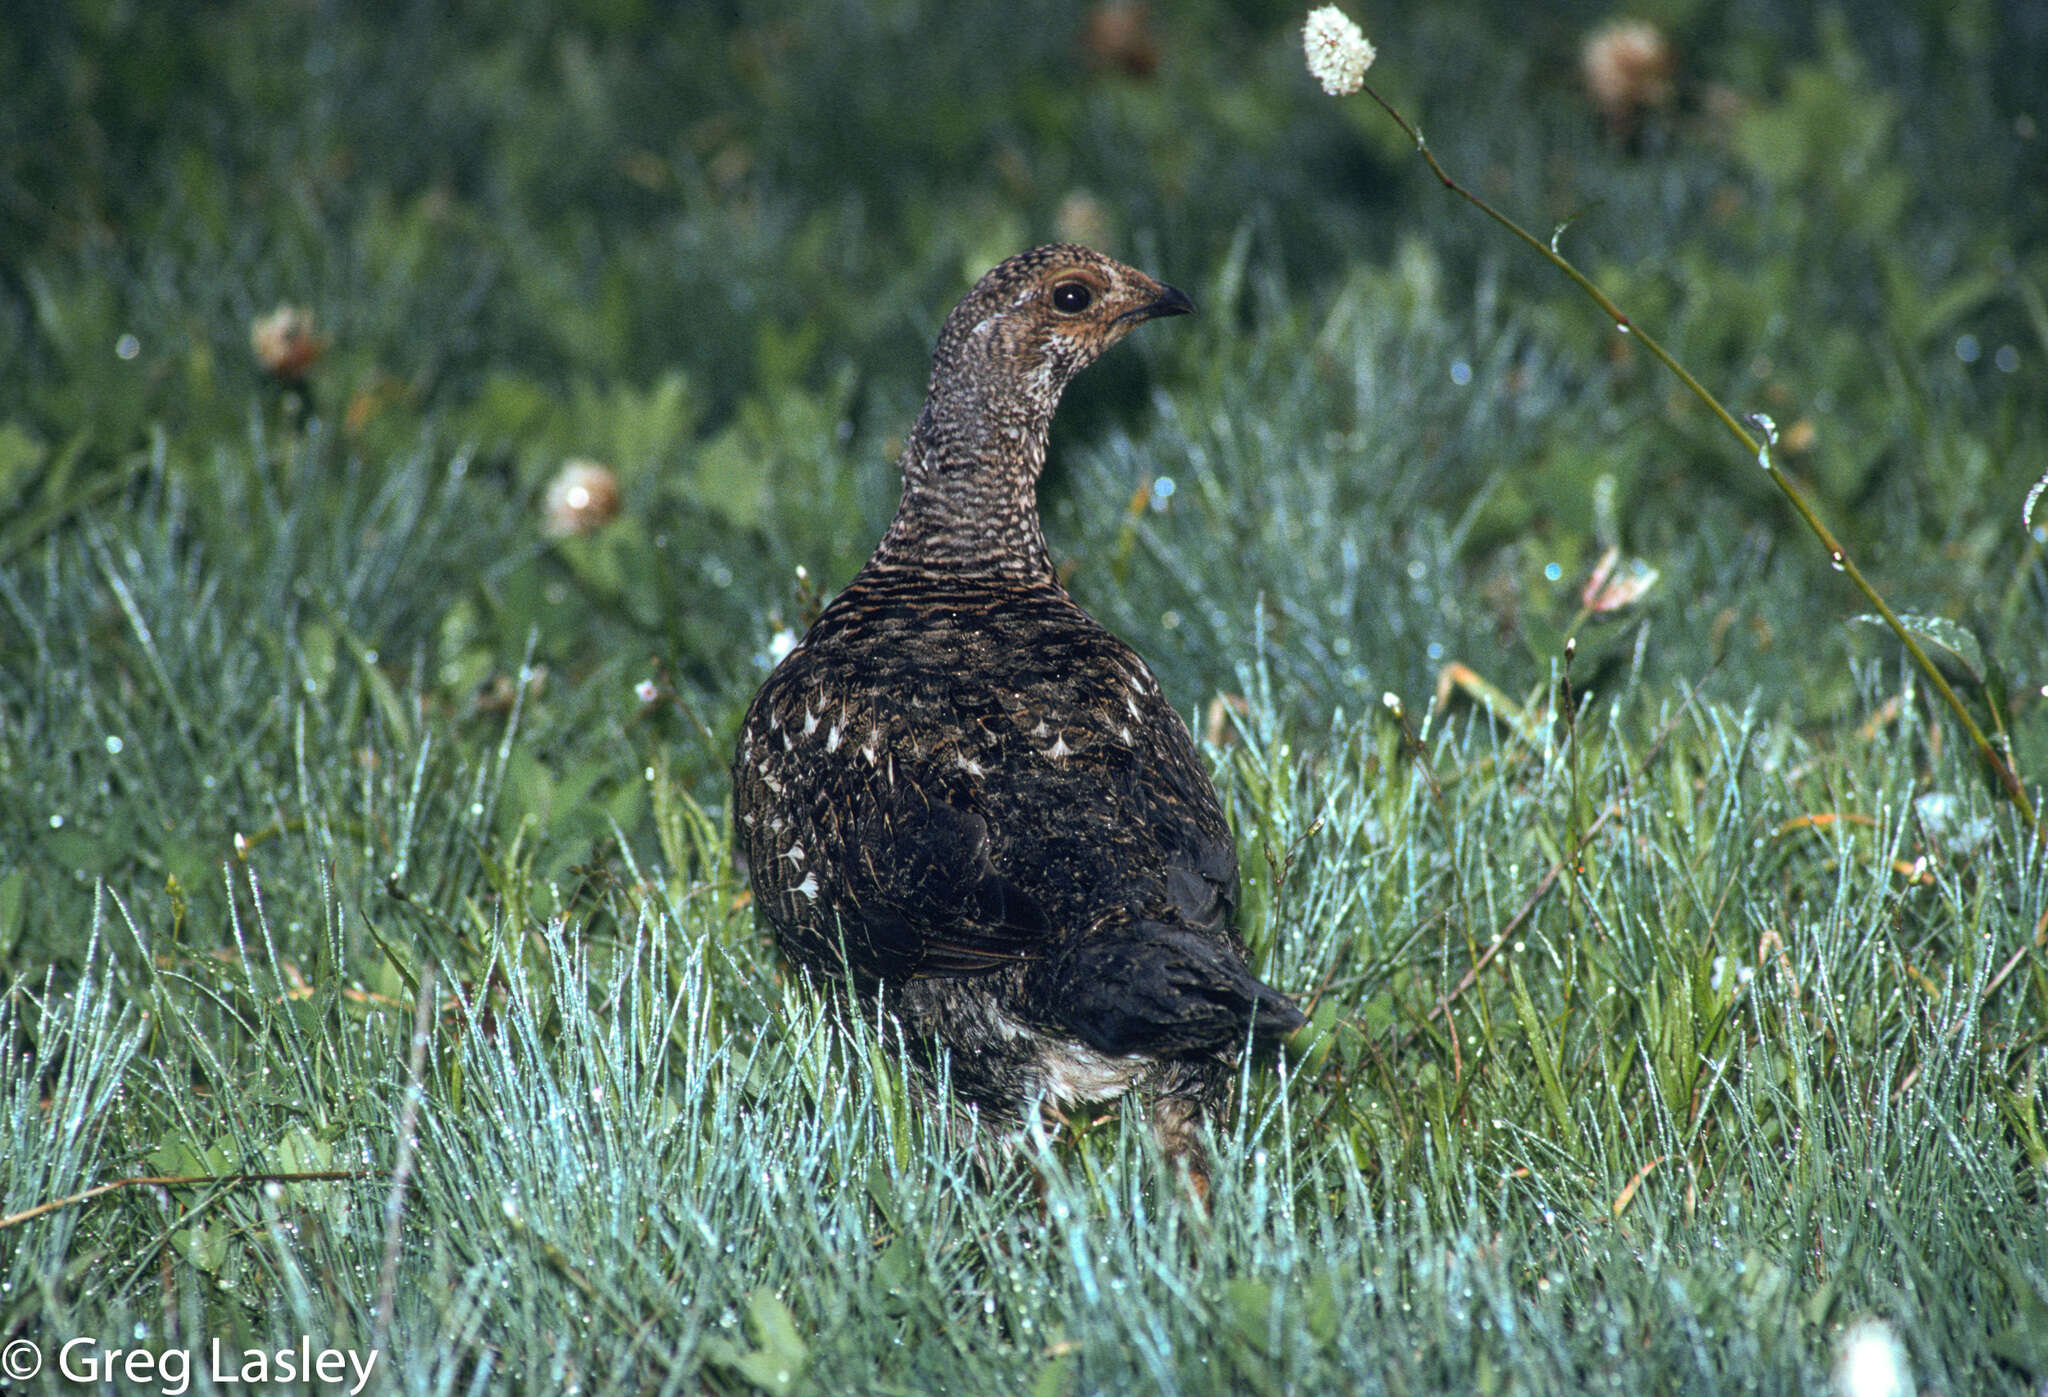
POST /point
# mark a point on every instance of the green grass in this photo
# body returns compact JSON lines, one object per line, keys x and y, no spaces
{"x":1662,"y":1031}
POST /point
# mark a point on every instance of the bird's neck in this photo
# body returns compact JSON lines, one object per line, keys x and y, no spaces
{"x":970,"y":493}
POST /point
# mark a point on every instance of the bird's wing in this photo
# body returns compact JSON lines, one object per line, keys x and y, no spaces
{"x":1201,"y":884}
{"x":925,"y":899}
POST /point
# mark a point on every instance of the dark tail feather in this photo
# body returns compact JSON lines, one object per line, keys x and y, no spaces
{"x":1274,"y":1015}
{"x":1154,"y":988}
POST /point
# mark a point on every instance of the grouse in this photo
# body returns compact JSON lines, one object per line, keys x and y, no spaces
{"x":962,"y":794}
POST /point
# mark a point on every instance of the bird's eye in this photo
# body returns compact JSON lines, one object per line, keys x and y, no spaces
{"x":1071,"y":297}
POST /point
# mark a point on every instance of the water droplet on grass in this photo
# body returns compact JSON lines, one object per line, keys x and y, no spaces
{"x":1768,"y":430}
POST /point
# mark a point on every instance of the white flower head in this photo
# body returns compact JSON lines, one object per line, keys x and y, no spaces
{"x":1338,"y":51}
{"x":1871,"y":1362}
{"x":582,"y":498}
{"x":1627,"y":66}
{"x":286,"y":344}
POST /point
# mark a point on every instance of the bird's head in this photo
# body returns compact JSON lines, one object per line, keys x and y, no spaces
{"x":1019,"y":337}
{"x":1007,"y":352}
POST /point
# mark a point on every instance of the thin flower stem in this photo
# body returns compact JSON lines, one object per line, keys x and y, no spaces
{"x":72,"y":1200}
{"x":1837,"y":555}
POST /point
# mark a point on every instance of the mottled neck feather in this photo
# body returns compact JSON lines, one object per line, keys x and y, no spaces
{"x":970,"y":480}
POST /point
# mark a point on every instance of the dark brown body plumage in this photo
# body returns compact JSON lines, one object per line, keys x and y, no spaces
{"x":980,"y":796}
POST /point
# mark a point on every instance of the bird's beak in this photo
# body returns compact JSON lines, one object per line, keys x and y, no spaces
{"x":1171,"y":300}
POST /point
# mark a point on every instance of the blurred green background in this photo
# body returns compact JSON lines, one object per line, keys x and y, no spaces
{"x":707,"y":245}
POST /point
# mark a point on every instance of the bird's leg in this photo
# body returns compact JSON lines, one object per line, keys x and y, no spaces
{"x":1176,"y":1125}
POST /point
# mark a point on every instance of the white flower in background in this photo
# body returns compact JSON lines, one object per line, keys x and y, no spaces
{"x":1628,"y":66}
{"x":1872,"y":1363}
{"x":582,"y":498}
{"x":286,"y":343}
{"x":1338,"y":51}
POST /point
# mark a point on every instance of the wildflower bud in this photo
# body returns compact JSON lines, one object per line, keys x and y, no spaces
{"x":1338,"y":51}
{"x":1082,"y":219}
{"x":1627,"y":67}
{"x":285,"y":343}
{"x":582,"y":498}
{"x":1118,"y":34}
{"x":1617,"y":582}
